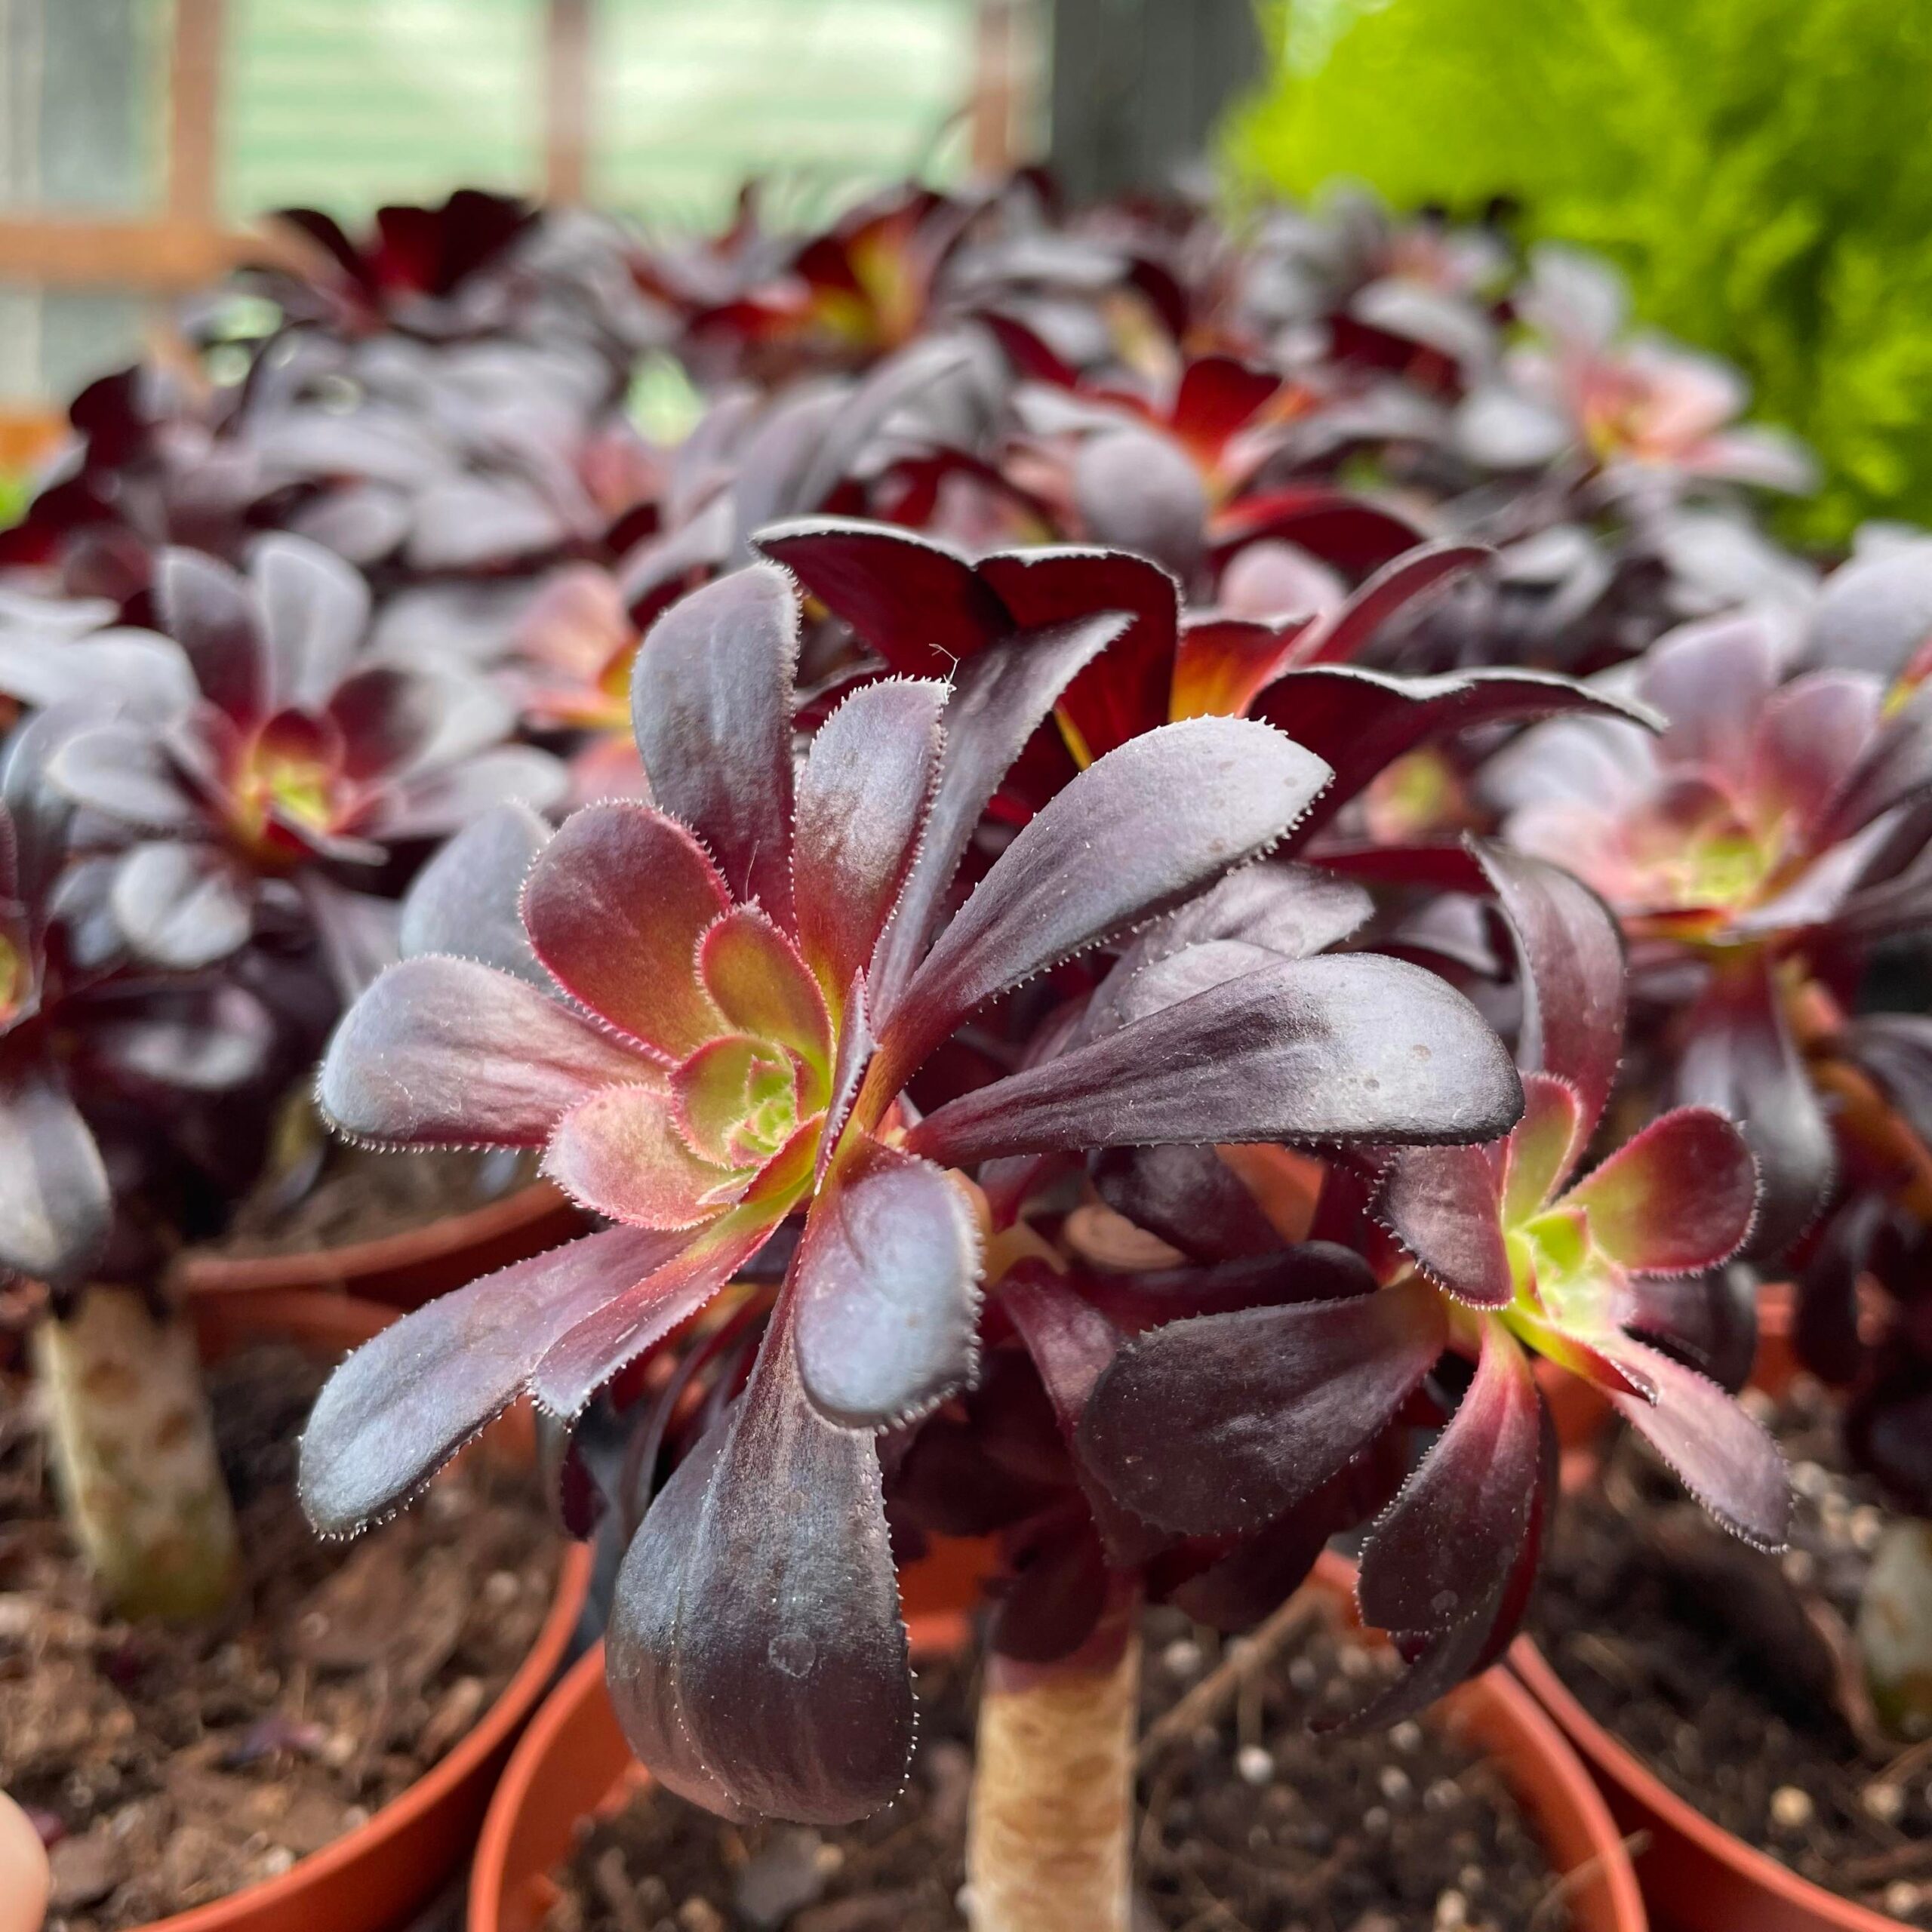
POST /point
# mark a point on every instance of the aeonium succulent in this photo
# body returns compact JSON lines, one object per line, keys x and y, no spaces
{"x":255,"y":753}
{"x":705,"y":1011}
{"x":1221,"y":1424}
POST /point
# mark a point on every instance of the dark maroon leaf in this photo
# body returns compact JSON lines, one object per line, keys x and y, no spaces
{"x":405,"y":1402}
{"x":756,"y":1653}
{"x":711,"y":701}
{"x":465,"y":901}
{"x":998,"y":699}
{"x":206,"y":607}
{"x":1327,"y":1049}
{"x":1189,"y":1196}
{"x":1151,"y":823}
{"x":1570,"y":951}
{"x":861,"y":808}
{"x":1218,"y":1425}
{"x":1444,"y":1205}
{"x":55,"y":1207}
{"x":1730,"y":1464}
{"x":1136,"y":490}
{"x":445,"y":1052}
{"x":888,"y":1290}
{"x":314,"y":609}
{"x":1338,"y":635}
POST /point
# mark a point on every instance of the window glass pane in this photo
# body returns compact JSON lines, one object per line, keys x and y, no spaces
{"x":83,"y":94}
{"x":346,"y":104}
{"x":826,"y":96}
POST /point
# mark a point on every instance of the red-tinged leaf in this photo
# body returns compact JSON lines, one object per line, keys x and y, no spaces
{"x":1345,"y":1048}
{"x":1056,"y":1597}
{"x":1348,"y":531}
{"x":314,"y":609}
{"x":142,"y":675}
{"x":757,"y":1659}
{"x":1149,"y":825}
{"x":1401,"y":586}
{"x":182,"y":904}
{"x":1444,"y":1205}
{"x":1224,"y":663}
{"x":1127,"y":694}
{"x":1136,"y":490}
{"x":887,"y":1289}
{"x":916,"y":602}
{"x":432,"y":803}
{"x":55,"y":1205}
{"x":1543,"y":1148}
{"x":615,"y":908}
{"x":1711,"y":681}
{"x":1434,"y":1556}
{"x":1678,"y":1199}
{"x":711,"y":701}
{"x":1874,"y":613}
{"x":997,"y":702}
{"x":719,"y":1086}
{"x":619,"y":1153}
{"x":206,"y":607}
{"x":1731,"y":1465}
{"x":1215,"y":397}
{"x":755,"y":975}
{"x":444,"y":1052}
{"x":1189,"y":1196}
{"x":615,"y":1331}
{"x":389,"y":716}
{"x":125,"y":774}
{"x":861,"y":805}
{"x":1570,"y":951}
{"x":403,"y":1404}
{"x":465,"y":901}
{"x":1738,"y":1057}
{"x":1894,"y":769}
{"x":1808,"y":743}
{"x":1215,"y":1426}
{"x":1030,"y":357}
{"x":1362,"y":721}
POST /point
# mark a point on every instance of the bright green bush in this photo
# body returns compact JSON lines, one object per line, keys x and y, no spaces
{"x":1762,"y":170}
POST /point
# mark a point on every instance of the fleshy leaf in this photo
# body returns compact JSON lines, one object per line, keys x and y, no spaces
{"x":756,"y":1653}
{"x":314,"y":609}
{"x":888,"y":1290}
{"x":1223,"y":663}
{"x":1731,"y":1465}
{"x":55,"y":1206}
{"x":464,"y":901}
{"x":711,"y":701}
{"x":441,"y":1052}
{"x":1149,"y":824}
{"x":1337,"y":1048}
{"x":862,"y":803}
{"x":619,"y":1153}
{"x":1340,"y":634}
{"x":1135,"y":490}
{"x":1444,"y":1205}
{"x":124,"y":772}
{"x":997,"y":702}
{"x":1542,"y":1147}
{"x":1571,"y":956}
{"x":1677,"y":1199}
{"x":181,"y":905}
{"x":1218,"y":1425}
{"x":206,"y":607}
{"x":762,"y":987}
{"x":615,"y":907}
{"x":404,"y":1402}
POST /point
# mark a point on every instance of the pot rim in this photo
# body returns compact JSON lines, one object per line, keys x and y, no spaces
{"x":1615,"y":1763}
{"x":337,"y":1319}
{"x":367,"y":1264}
{"x":1492,"y":1705}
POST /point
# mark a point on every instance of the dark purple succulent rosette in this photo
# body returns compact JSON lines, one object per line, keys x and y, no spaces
{"x":257,"y":755}
{"x":705,"y":1011}
{"x":110,"y":1076}
{"x":1229,"y":1423}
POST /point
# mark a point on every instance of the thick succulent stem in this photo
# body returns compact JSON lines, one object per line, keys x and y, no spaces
{"x":1048,"y":1846}
{"x":134,"y":1455}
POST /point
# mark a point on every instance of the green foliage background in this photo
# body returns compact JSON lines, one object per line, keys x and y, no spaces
{"x":1762,"y":170}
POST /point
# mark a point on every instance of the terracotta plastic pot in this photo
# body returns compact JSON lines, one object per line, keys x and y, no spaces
{"x":1697,"y":1877}
{"x":374,"y":1878}
{"x":401,"y":1270}
{"x":573,"y":1764}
